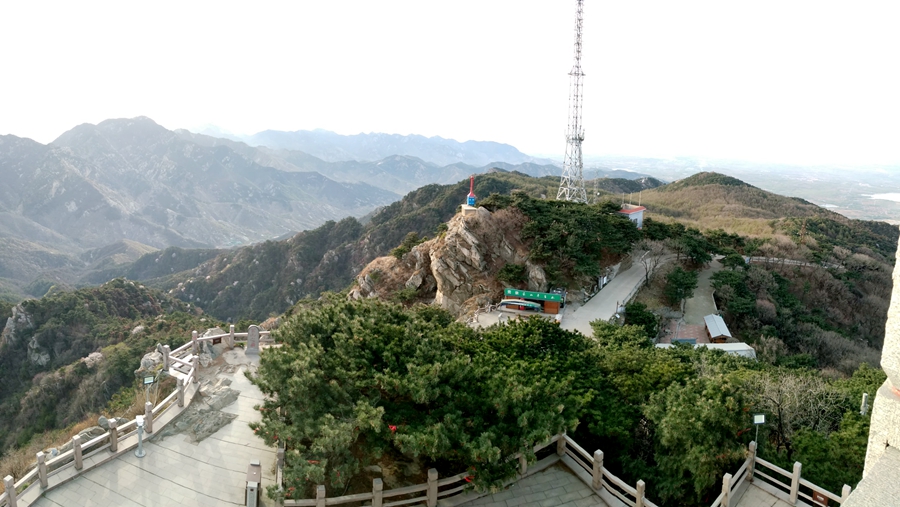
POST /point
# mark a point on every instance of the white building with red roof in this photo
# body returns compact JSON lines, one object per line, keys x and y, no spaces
{"x":634,"y":213}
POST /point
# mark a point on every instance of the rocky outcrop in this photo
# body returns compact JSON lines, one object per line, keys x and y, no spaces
{"x":12,"y":335}
{"x":36,"y":353}
{"x":150,"y":364}
{"x":20,"y":320}
{"x":205,"y":417}
{"x":458,"y":269}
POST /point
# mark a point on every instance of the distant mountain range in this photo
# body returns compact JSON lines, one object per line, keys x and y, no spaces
{"x":102,"y":195}
{"x":332,"y":147}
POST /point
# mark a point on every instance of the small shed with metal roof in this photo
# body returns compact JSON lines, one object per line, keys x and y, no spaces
{"x":716,"y":329}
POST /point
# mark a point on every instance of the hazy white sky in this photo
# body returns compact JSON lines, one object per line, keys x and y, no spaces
{"x":790,"y":81}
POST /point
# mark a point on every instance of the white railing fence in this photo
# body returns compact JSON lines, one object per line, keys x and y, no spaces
{"x":478,"y":311}
{"x":790,"y":486}
{"x":185,"y":365}
{"x":589,"y":468}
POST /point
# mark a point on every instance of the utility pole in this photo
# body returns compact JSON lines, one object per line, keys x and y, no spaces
{"x":571,"y":186}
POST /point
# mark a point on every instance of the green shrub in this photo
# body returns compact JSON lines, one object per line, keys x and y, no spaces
{"x":637,"y":314}
{"x":406,"y":295}
{"x":411,"y":240}
{"x":513,"y":274}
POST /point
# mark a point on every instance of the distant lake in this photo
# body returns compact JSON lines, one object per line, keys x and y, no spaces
{"x":886,"y":197}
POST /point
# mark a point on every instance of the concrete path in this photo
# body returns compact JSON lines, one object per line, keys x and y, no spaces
{"x":702,"y":304}
{"x":603,"y":305}
{"x":555,"y":486}
{"x":756,"y":497}
{"x":175,"y":471}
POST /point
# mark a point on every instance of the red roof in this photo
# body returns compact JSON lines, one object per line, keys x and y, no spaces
{"x":629,"y":211}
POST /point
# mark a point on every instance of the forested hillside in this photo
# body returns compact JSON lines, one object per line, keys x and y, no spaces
{"x":817,"y":293}
{"x":716,"y":201}
{"x":267,"y":278}
{"x":49,"y":382}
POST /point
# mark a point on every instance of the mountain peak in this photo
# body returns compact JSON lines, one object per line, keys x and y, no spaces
{"x":707,"y":178}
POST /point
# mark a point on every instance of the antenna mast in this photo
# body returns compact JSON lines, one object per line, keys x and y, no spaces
{"x":571,"y":186}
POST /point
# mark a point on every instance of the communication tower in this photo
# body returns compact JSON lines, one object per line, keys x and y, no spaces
{"x":571,"y":186}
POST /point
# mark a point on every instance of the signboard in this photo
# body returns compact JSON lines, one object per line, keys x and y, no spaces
{"x":148,"y":380}
{"x":819,"y":498}
{"x":540,"y":296}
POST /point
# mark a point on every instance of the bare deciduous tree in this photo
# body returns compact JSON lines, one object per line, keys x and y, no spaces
{"x":795,"y":401}
{"x":651,"y":253}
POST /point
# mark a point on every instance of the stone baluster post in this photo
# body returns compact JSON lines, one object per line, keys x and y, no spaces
{"x":377,"y":492}
{"x":195,"y":361}
{"x":320,"y":495}
{"x":795,"y":483}
{"x":561,"y":445}
{"x":431,"y":493}
{"x":230,"y":337}
{"x":166,"y":352}
{"x":10,"y":486}
{"x":597,"y":472}
{"x":845,"y":493}
{"x":148,"y":417}
{"x":113,"y":435}
{"x":42,"y":468}
{"x":76,"y":450}
{"x":180,"y":394}
{"x":726,"y":490}
{"x":195,"y":345}
{"x":523,"y":464}
{"x":639,"y":497}
{"x":751,"y":467}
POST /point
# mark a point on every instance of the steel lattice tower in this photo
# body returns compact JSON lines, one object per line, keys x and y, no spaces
{"x":571,"y":186}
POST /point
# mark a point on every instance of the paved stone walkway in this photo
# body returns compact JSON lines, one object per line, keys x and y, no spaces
{"x":604,"y":305}
{"x":755,"y":497}
{"x":702,"y":304}
{"x":556,"y":486}
{"x":175,"y":471}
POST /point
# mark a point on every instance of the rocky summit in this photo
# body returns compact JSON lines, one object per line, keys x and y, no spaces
{"x":459,"y":268}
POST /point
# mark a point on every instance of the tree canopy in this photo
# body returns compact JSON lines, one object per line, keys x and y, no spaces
{"x":354,"y":381}
{"x":680,"y":285}
{"x":358,"y":383}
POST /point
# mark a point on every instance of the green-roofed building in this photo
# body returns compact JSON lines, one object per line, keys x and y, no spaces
{"x":550,"y":301}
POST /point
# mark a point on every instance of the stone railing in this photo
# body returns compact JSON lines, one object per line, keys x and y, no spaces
{"x":454,"y":490}
{"x":251,"y":338}
{"x":82,"y":456}
{"x":478,"y":311}
{"x":51,"y":472}
{"x":790,"y":490}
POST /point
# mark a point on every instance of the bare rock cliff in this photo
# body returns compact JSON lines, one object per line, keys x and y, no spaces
{"x":20,"y":320}
{"x":458,"y":269}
